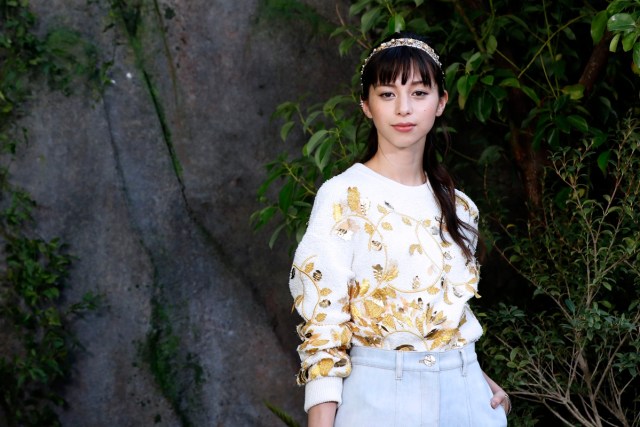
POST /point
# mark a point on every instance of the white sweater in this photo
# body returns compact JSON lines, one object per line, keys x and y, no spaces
{"x":372,"y":270}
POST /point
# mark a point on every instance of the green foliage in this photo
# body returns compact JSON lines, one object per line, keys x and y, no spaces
{"x":36,"y":342}
{"x":294,"y":11}
{"x":335,"y":141}
{"x":622,"y":19}
{"x":534,"y":98}
{"x":579,"y":351}
{"x":59,"y":57}
{"x":283,"y":416}
{"x":537,"y":99}
{"x":173,"y":372}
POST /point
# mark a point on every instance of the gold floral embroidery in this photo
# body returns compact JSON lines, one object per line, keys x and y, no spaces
{"x":353,"y":198}
{"x":416,"y":247}
{"x":399,"y":309}
{"x":337,"y":212}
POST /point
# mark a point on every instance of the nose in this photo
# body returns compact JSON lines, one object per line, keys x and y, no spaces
{"x":403,"y":105}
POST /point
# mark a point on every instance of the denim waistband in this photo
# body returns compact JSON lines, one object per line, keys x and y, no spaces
{"x":414,"y":360}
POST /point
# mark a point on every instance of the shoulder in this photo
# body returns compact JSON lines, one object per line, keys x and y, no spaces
{"x":338,"y":186}
{"x":466,"y":208}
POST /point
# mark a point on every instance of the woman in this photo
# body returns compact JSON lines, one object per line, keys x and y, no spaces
{"x":384,"y":272}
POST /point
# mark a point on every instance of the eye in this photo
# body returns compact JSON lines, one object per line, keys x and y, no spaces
{"x":420,"y":93}
{"x":386,"y":95}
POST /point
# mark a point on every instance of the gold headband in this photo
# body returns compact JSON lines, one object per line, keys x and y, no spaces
{"x":404,"y":42}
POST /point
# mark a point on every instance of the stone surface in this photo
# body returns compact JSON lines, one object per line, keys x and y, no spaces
{"x":154,"y":195}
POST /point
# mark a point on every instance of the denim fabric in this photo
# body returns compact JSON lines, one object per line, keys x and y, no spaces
{"x":389,"y":388}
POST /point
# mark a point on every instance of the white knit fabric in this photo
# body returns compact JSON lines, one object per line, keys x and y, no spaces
{"x":373,"y":270}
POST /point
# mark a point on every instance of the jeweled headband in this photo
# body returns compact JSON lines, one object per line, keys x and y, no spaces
{"x":404,"y":42}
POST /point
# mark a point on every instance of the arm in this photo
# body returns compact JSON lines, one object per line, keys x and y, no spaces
{"x":322,"y":415}
{"x":319,"y":284}
{"x":500,"y":397}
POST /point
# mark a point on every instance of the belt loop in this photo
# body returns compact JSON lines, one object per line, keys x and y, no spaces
{"x":463,"y":356}
{"x":398,"y":365}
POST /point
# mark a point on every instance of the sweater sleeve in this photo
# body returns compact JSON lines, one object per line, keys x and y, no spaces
{"x":319,"y":284}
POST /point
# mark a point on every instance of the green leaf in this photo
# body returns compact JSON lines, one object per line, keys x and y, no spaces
{"x":491,"y":154}
{"x":621,"y":22}
{"x":575,"y":92}
{"x":274,"y":236}
{"x":629,"y":40}
{"x":603,"y":160}
{"x":570,"y":305}
{"x":323,"y":154}
{"x":617,"y":6}
{"x":451,"y":71}
{"x":483,"y":107}
{"x":464,"y":85}
{"x":487,"y":80}
{"x":285,"y":129}
{"x":531,"y":94}
{"x":561,"y":198}
{"x":636,"y":54}
{"x":285,"y":110}
{"x":510,"y":82}
{"x":578,"y":123}
{"x":355,"y":9}
{"x":569,"y":33}
{"x":345,"y":45}
{"x":492,"y":44}
{"x":418,"y":2}
{"x":314,"y":141}
{"x":473,"y":62}
{"x":553,"y":138}
{"x":598,"y":25}
{"x":331,"y":104}
{"x":599,"y":139}
{"x":562,"y":124}
{"x":369,"y":19}
{"x":396,"y":24}
{"x":284,"y":197}
{"x":418,"y":25}
{"x":613,"y":44}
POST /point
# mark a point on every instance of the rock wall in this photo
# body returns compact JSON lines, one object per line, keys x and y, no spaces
{"x":152,"y":184}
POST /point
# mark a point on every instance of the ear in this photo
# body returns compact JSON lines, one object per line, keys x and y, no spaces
{"x":365,"y":108}
{"x":442,"y":102}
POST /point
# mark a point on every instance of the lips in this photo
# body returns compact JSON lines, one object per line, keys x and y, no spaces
{"x":404,"y":127}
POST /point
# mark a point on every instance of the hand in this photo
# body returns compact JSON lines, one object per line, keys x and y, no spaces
{"x":500,"y":397}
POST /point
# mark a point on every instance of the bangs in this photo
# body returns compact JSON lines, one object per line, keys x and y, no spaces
{"x":401,"y":62}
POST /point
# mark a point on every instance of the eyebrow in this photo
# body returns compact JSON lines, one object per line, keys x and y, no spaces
{"x":413,"y":83}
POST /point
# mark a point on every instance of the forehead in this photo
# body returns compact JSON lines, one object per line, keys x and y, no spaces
{"x":411,"y":76}
{"x":390,"y":68}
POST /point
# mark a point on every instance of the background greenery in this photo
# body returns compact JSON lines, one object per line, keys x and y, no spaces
{"x":37,"y":346}
{"x":544,"y":112}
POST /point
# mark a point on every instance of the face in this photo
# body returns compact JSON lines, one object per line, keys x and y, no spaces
{"x":404,"y":113}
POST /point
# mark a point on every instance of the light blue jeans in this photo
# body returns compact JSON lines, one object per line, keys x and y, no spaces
{"x":390,"y":388}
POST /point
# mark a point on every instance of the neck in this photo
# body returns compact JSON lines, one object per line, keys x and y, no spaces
{"x":406,"y":170}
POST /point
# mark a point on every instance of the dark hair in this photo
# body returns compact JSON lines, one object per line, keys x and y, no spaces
{"x":384,"y":67}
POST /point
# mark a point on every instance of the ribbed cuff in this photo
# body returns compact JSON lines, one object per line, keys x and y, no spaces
{"x":320,"y":390}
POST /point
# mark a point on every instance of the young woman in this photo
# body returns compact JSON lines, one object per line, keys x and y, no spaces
{"x":385,"y":270}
